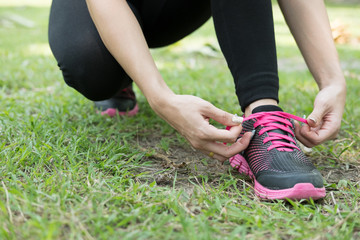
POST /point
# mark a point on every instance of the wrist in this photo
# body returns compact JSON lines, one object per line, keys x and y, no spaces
{"x":160,"y":99}
{"x":154,"y":89}
{"x":337,"y":81}
{"x":158,"y":95}
{"x":336,"y":91}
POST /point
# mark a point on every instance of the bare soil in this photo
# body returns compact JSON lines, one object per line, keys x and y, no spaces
{"x":184,"y":162}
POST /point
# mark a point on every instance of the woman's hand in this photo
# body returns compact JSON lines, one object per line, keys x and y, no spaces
{"x":325,"y":120}
{"x":309,"y":24}
{"x":190,"y":115}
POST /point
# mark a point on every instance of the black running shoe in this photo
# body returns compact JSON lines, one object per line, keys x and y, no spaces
{"x":274,"y":160}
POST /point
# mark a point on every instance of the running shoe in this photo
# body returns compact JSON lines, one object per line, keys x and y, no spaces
{"x":123,"y":104}
{"x":274,"y":160}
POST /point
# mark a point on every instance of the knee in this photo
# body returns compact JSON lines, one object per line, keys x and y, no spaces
{"x":96,"y":77}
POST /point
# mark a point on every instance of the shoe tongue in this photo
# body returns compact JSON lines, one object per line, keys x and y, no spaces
{"x":271,"y":108}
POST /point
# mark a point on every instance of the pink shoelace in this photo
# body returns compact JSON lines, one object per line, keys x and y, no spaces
{"x":277,"y":120}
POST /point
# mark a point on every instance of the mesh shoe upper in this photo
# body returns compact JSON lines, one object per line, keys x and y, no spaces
{"x":273,"y":155}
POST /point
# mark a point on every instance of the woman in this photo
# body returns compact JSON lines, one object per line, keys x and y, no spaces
{"x":103,"y":46}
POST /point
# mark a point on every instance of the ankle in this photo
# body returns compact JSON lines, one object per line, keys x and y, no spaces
{"x":261,"y":102}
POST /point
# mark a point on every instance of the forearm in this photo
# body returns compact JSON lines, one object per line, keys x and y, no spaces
{"x":309,"y":24}
{"x":123,"y":37}
{"x":190,"y":115}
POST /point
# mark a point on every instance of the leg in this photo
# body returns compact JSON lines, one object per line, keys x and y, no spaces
{"x":85,"y":62}
{"x":246,"y":35}
{"x":168,"y":21}
{"x":277,"y":165}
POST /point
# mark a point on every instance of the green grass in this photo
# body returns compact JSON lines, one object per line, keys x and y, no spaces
{"x":68,"y":173}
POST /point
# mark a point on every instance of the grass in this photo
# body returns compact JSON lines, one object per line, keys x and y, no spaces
{"x":68,"y":173}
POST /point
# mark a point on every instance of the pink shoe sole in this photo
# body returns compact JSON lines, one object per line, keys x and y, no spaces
{"x":299,"y":191}
{"x":113,"y":111}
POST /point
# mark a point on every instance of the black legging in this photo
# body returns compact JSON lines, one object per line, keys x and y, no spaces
{"x":244,"y":29}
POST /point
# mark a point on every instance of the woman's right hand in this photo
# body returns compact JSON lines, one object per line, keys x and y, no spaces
{"x":190,"y":115}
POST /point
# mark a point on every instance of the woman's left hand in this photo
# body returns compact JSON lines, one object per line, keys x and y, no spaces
{"x":325,"y":120}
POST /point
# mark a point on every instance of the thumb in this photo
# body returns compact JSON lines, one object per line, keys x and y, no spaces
{"x":221,"y":116}
{"x":314,"y":119}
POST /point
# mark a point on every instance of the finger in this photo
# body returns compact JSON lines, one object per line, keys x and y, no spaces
{"x":220,"y":116}
{"x":221,"y":135}
{"x":213,"y":155}
{"x":323,"y":134}
{"x":300,"y":137}
{"x":310,"y":137}
{"x":217,"y":157}
{"x":315,"y":118}
{"x":237,"y":119}
{"x":229,"y":151}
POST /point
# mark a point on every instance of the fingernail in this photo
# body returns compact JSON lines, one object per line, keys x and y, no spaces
{"x":237,"y":119}
{"x":312,"y":119}
{"x":253,"y":133}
